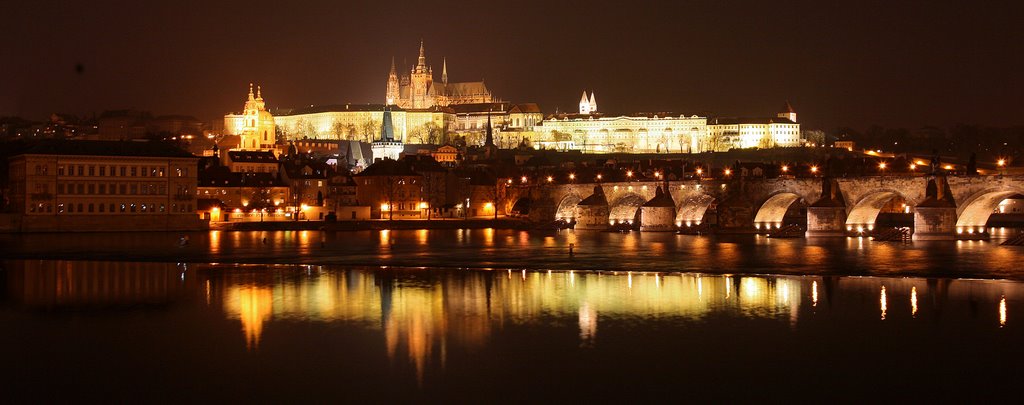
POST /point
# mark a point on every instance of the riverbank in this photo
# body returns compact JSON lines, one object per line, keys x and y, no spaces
{"x":375,"y":225}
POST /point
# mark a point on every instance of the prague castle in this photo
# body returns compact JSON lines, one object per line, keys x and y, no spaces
{"x":422,"y":111}
{"x":417,"y":90}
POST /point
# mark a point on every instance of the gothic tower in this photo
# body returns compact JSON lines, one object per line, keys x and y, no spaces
{"x":391,"y":98}
{"x":444,"y":71}
{"x":421,"y":78}
{"x":584,"y":104}
{"x":593,"y":102}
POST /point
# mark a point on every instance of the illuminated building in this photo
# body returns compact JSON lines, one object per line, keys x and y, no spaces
{"x":417,"y":90}
{"x":104,"y":185}
{"x":593,"y":132}
{"x":255,"y":125}
{"x":387,"y":147}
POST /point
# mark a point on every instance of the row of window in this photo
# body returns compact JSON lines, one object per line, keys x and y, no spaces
{"x":110,"y":171}
{"x":144,"y":208}
{"x":113,"y":188}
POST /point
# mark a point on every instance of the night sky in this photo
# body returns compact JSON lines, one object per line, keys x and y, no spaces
{"x":893,"y":63}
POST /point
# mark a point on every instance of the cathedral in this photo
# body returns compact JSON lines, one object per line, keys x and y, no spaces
{"x":418,"y":90}
{"x":255,"y":125}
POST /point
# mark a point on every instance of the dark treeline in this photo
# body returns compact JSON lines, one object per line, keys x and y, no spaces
{"x":960,"y":140}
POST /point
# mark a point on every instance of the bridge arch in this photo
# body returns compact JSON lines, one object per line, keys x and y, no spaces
{"x":772,"y":212}
{"x":976,"y":210}
{"x":692,"y":209}
{"x":865,"y":211}
{"x":521,"y":208}
{"x":567,"y":206}
{"x":626,"y":208}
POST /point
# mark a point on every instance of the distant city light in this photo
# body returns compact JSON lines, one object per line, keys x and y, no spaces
{"x":814,"y":169}
{"x":523,"y":179}
{"x":728,"y":172}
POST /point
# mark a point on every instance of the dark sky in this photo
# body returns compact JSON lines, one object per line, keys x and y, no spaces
{"x":894,"y":63}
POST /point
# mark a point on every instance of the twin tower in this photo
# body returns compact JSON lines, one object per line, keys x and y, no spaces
{"x":588,"y":106}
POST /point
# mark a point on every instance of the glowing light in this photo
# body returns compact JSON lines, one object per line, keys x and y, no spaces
{"x":785,"y":168}
{"x":814,"y":169}
{"x":523,"y":179}
{"x":550,"y":179}
{"x":487,"y":206}
{"x":629,"y":173}
{"x":913,"y":301}
{"x":385,"y":207}
{"x":423,"y":205}
{"x":700,"y":171}
{"x":913,"y":166}
{"x":509,"y":181}
{"x":572,"y":176}
{"x":599,"y":176}
{"x":881,"y":165}
{"x":728,"y":172}
{"x":1002,"y":311}
{"x":948,"y":167}
{"x":304,"y":207}
{"x":883,"y":302}
{"x":1001,"y":162}
{"x":814,"y":293}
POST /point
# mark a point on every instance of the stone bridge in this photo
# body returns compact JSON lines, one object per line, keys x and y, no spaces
{"x":940,"y":207}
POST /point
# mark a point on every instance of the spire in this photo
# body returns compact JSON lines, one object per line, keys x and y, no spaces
{"x":490,"y":132}
{"x":444,"y":70}
{"x":583,"y":99}
{"x":584,"y":104}
{"x":422,"y":61}
{"x":250,"y":92}
{"x":788,"y":108}
{"x":593,"y":102}
{"x":387,"y":131}
{"x":392,"y":72}
{"x":259,"y":93}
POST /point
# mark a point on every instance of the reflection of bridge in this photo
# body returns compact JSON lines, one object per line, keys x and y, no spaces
{"x":939,"y":207}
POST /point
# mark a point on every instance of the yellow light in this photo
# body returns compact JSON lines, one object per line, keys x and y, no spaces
{"x":216,"y":209}
{"x":814,"y":169}
{"x":1001,"y":162}
{"x":509,"y":181}
{"x":700,"y":171}
{"x":599,"y":176}
{"x":572,"y":176}
{"x":657,"y":174}
{"x":488,"y":206}
{"x":629,"y":173}
{"x":523,"y":179}
{"x":304,"y":207}
{"x":384,"y":207}
{"x":949,"y":167}
{"x":913,"y":166}
{"x":728,"y":172}
{"x":881,"y":165}
{"x":550,"y":179}
{"x":423,"y":205}
{"x":785,"y":168}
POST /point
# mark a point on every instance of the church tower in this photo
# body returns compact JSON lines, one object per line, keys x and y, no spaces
{"x":391,"y":98}
{"x":593,"y":102}
{"x":421,"y":78}
{"x":584,"y":104}
{"x":444,"y":71}
{"x":788,"y":112}
{"x":257,"y":130}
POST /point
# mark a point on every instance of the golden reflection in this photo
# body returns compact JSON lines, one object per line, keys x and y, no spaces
{"x":421,"y":236}
{"x":1002,"y":311}
{"x":385,"y":237}
{"x":913,"y":301}
{"x":814,"y":293}
{"x":214,"y":241}
{"x":588,"y":325}
{"x":252,"y":306}
{"x":882,"y":301}
{"x":489,"y":237}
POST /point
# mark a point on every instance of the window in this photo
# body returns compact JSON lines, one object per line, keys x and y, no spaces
{"x":133,"y":207}
{"x":60,"y":188}
{"x":81,"y":188}
{"x":103,"y":189}
{"x":92,"y":170}
{"x":91,"y":207}
{"x":162,"y":208}
{"x":124,"y":189}
{"x":60,"y":208}
{"x":161,"y":172}
{"x":81,"y":170}
{"x":178,"y":171}
{"x":101,"y":207}
{"x":80,"y":207}
{"x":123,"y":207}
{"x":135,"y":189}
{"x":103,"y":170}
{"x":111,"y":207}
{"x":60,"y":170}
{"x":71,"y":208}
{"x":92,"y":189}
{"x":135,"y":171}
{"x":123,"y":170}
{"x":145,"y":171}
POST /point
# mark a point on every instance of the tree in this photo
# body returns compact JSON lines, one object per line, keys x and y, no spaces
{"x":815,"y":136}
{"x":766,"y":142}
{"x":432,"y":133}
{"x":370,"y":129}
{"x":339,"y":129}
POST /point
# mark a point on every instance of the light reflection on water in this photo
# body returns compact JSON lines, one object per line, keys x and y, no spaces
{"x":425,"y":319}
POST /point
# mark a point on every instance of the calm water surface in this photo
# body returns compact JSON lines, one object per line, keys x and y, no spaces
{"x":503,"y":249}
{"x":117,"y":331}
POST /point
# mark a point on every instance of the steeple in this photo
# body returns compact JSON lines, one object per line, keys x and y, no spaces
{"x":422,"y":61}
{"x":250,"y":92}
{"x":584,"y":103}
{"x":787,"y":112}
{"x":391,"y":94}
{"x":392,"y":72}
{"x":259,"y":93}
{"x":593,"y":102}
{"x":489,"y":141}
{"x":444,"y":71}
{"x":387,"y":130}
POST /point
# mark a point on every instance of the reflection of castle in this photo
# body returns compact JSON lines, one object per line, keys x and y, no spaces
{"x":417,"y":90}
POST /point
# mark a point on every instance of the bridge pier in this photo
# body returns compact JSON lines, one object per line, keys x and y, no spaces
{"x":593,"y":213}
{"x":935,"y":223}
{"x":935,"y":217}
{"x":736,"y":216}
{"x":658,"y":214}
{"x":827,"y":216}
{"x":826,"y":221}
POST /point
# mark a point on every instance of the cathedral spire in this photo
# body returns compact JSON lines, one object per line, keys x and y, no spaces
{"x":422,"y":61}
{"x":490,"y":132}
{"x":444,"y":70}
{"x":392,"y":72}
{"x":259,"y":93}
{"x":593,"y":102}
{"x":251,"y":98}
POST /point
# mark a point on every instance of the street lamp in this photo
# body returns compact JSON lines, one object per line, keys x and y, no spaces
{"x":629,"y":173}
{"x":728,"y":172}
{"x":550,"y":179}
{"x":599,"y":177}
{"x":881,"y":166}
{"x":785,"y":169}
{"x":523,"y":179}
{"x":814,"y":169}
{"x":572,"y":176}
{"x":913,"y":166}
{"x":700,"y":171}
